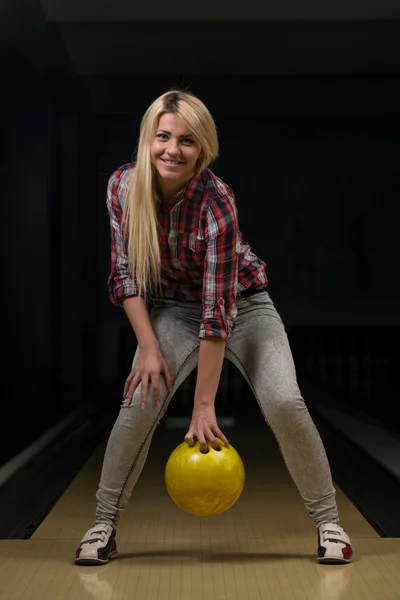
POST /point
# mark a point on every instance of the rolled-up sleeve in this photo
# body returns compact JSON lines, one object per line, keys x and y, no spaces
{"x":120,"y":284}
{"x":220,"y":268}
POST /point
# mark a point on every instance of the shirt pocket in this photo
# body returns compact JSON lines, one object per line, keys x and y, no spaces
{"x":189,"y":252}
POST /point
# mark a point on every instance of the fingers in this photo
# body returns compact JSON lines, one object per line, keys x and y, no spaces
{"x":155,"y":384}
{"x":203,"y":436}
{"x":221,"y":436}
{"x":167,"y":375}
{"x":146,"y":376}
{"x":128,"y":382}
{"x":203,"y":443}
{"x":134,"y":380}
{"x":189,"y":438}
{"x":132,"y":383}
{"x":145,"y":387}
{"x":211,"y":437}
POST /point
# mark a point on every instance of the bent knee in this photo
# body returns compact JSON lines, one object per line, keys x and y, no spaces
{"x":285,"y":408}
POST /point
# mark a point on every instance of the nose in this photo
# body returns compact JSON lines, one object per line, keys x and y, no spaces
{"x":172,"y":147}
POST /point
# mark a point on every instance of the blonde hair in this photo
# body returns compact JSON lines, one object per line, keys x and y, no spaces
{"x":140,"y":209}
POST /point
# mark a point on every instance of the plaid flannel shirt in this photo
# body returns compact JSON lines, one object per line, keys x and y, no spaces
{"x":203,"y":255}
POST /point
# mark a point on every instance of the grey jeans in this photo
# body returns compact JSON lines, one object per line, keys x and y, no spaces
{"x":260,"y":349}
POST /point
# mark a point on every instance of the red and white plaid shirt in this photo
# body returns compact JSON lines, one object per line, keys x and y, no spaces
{"x":203,"y":255}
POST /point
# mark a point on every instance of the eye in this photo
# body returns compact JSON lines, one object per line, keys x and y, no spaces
{"x":188,"y":141}
{"x":161,"y":136}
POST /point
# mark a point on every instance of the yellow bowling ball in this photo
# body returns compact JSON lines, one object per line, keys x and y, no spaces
{"x":204,"y":484}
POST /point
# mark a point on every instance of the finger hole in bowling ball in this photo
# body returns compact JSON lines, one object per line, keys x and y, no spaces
{"x":217,"y":449}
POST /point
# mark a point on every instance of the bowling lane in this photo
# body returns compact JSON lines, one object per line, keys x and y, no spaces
{"x":269,"y":505}
{"x":262,"y":548}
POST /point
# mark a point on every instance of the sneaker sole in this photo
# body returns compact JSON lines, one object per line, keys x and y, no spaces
{"x":332,"y":560}
{"x":96,"y":561}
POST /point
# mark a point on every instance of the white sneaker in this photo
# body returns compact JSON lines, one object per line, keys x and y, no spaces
{"x":97,"y":546}
{"x":334,"y":544}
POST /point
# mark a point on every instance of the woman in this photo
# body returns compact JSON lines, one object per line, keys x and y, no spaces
{"x":175,"y":238}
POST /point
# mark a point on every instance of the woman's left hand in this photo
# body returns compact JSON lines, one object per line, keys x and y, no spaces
{"x":203,"y":428}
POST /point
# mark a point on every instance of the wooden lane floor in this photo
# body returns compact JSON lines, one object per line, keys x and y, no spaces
{"x":264,"y":547}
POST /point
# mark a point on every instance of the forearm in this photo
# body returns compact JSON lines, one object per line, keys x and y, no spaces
{"x":211,"y":358}
{"x":138,"y":315}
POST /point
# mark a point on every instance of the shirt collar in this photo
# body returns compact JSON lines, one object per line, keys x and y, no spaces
{"x":192,"y":190}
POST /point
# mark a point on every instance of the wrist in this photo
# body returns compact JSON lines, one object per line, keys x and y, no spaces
{"x":204,"y":401}
{"x":150,"y":345}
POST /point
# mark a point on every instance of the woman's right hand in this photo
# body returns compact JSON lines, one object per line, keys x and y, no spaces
{"x":147,"y":370}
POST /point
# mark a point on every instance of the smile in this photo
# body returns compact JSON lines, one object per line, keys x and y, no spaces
{"x":171,"y":162}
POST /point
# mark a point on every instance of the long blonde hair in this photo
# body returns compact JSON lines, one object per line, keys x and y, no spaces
{"x":140,"y":214}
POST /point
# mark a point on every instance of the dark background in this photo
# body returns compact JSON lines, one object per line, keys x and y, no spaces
{"x":306,"y":105}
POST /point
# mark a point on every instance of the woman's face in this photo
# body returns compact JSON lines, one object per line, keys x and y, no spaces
{"x":174,"y":152}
